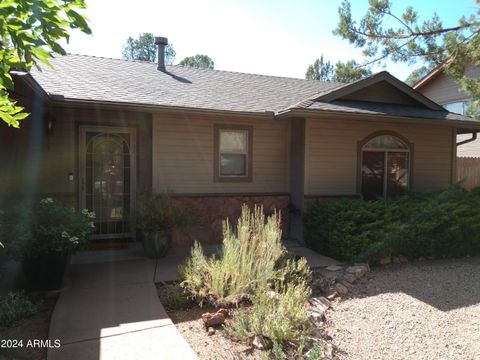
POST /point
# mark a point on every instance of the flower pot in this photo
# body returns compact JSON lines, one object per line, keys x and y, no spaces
{"x":155,"y":243}
{"x":46,"y":272}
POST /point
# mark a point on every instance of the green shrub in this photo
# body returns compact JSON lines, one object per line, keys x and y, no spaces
{"x":280,"y":316}
{"x":246,"y":263}
{"x":158,"y":212}
{"x":176,"y":299}
{"x":47,"y":226}
{"x":15,"y":306}
{"x":440,"y":224}
{"x":253,"y":265}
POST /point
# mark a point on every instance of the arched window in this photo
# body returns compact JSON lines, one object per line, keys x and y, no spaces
{"x":385,"y":166}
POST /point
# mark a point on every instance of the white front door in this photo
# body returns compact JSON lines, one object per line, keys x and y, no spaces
{"x":107,"y":178}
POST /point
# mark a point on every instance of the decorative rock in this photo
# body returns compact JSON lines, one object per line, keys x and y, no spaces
{"x":319,"y":304}
{"x":333,"y":268}
{"x":350,"y":278}
{"x":342,"y":290}
{"x":358,"y":271}
{"x":364,"y":265}
{"x":210,"y":319}
{"x":262,"y":342}
{"x":211,"y":331}
{"x":396,"y":260}
{"x":346,"y":284}
{"x":385,"y":261}
{"x":332,"y":294}
{"x":223,"y":311}
{"x":403,"y":259}
{"x":321,"y":283}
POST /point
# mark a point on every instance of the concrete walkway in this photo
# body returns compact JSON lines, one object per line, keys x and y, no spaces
{"x":110,"y":310}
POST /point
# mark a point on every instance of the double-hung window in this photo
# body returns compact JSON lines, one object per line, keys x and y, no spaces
{"x":233,"y":153}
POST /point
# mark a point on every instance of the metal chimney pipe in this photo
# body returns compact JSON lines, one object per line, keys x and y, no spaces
{"x":161,"y":42}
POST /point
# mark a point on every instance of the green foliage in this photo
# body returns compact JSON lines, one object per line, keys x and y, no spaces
{"x":48,"y":226}
{"x":143,"y":48}
{"x":341,"y":72}
{"x":441,"y":224}
{"x":247,"y":261}
{"x":158,"y":212}
{"x":254,"y":266}
{"x":15,"y":306}
{"x":417,"y":74}
{"x":198,"y":61}
{"x":280,"y":316}
{"x":320,"y":70}
{"x":350,"y":71}
{"x":30,"y":32}
{"x":176,"y":298}
{"x":411,"y":40}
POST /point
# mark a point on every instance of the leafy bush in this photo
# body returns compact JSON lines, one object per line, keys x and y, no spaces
{"x":247,"y":262}
{"x":157,"y":212}
{"x":15,"y":306}
{"x":440,"y":224}
{"x":280,"y":316}
{"x":48,"y":226}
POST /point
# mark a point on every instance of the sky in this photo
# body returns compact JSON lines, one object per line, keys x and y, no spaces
{"x":271,"y":37}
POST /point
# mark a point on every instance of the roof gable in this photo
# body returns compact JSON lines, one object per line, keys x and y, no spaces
{"x":381,"y":88}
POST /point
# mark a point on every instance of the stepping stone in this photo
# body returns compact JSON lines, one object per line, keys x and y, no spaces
{"x":334,"y":268}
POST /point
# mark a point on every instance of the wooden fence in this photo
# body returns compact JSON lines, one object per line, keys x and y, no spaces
{"x":468,"y":168}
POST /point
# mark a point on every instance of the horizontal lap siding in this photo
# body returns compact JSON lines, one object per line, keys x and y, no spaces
{"x":331,"y":157}
{"x":443,"y":89}
{"x":183,"y":155}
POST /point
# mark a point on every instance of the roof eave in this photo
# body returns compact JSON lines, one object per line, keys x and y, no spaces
{"x":472,"y":125}
{"x":68,"y":102}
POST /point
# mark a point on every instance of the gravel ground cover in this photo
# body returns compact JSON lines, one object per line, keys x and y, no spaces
{"x":213,"y":347}
{"x":421,"y":310}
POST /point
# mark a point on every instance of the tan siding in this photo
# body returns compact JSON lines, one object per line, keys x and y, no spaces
{"x":443,"y":89}
{"x":183,"y":155}
{"x":331,"y":166}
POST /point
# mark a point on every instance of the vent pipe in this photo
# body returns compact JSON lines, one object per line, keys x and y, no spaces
{"x":161,"y":42}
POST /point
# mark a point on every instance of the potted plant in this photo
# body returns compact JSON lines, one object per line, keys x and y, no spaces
{"x":44,"y":238}
{"x":155,"y":217}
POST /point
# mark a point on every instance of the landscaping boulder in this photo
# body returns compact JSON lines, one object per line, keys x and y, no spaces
{"x":342,"y":290}
{"x":319,"y":304}
{"x":212,"y":319}
{"x":331,"y":294}
{"x":358,"y":271}
{"x":351,"y":278}
{"x":262,"y":343}
{"x":385,"y":261}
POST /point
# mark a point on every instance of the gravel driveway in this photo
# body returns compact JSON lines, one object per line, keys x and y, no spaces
{"x":422,"y":310}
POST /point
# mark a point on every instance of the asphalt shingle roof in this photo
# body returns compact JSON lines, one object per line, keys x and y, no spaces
{"x":90,"y":78}
{"x":387,"y":109}
{"x":83,"y":77}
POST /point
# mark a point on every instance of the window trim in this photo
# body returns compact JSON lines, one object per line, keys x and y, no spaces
{"x":216,"y":153}
{"x":362,"y":143}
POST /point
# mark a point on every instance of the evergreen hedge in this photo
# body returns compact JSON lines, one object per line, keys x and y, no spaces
{"x":440,"y":224}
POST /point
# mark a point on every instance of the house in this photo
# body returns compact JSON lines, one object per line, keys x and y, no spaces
{"x":104,"y":130}
{"x":442,"y":88}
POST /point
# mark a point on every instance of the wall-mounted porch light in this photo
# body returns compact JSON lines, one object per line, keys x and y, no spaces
{"x":49,"y":124}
